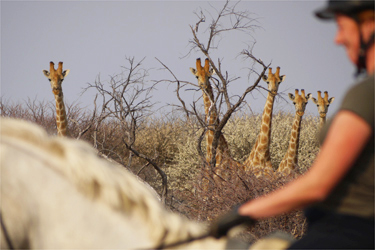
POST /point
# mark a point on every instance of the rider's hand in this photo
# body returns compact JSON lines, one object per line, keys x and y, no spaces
{"x":226,"y":222}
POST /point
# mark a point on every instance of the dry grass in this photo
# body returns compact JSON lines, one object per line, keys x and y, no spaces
{"x":172,"y":142}
{"x":241,"y":133}
{"x":203,"y":205}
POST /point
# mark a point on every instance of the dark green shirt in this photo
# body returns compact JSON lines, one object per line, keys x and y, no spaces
{"x":354,"y":195}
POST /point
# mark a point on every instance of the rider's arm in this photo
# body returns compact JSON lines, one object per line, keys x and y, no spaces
{"x":346,"y":138}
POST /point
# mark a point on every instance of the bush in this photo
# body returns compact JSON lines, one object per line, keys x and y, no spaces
{"x":172,"y":143}
{"x":206,"y":205}
{"x":241,"y":133}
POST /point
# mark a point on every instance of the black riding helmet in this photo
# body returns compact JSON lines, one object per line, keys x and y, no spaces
{"x":350,"y":8}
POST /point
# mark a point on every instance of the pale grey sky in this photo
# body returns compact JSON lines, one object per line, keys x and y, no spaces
{"x":94,"y":37}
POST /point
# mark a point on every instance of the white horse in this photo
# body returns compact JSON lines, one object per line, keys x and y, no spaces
{"x":57,"y":193}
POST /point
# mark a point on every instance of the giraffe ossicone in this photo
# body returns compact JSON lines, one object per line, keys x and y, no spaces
{"x":56,"y":78}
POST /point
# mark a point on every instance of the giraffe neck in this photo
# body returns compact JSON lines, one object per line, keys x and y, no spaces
{"x":61,"y":119}
{"x":291,"y":157}
{"x":211,"y":119}
{"x":222,"y":151}
{"x":209,"y":107}
{"x":322,"y":121}
{"x":260,"y":154}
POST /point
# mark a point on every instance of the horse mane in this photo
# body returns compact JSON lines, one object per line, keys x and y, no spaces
{"x":99,"y":179}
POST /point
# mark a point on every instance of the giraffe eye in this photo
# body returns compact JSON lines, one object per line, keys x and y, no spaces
{"x":317,"y":105}
{"x":62,"y":80}
{"x":294,"y":103}
{"x":49,"y":79}
{"x":196,"y":77}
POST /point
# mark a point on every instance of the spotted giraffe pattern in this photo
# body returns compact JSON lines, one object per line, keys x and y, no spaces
{"x":224,"y":161}
{"x":290,"y":160}
{"x":259,"y":161}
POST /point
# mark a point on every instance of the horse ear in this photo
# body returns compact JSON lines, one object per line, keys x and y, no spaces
{"x":331,"y":100}
{"x":291,"y":96}
{"x":194,"y":71}
{"x":46,"y":73}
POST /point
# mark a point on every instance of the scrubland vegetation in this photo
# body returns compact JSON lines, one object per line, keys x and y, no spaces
{"x":164,"y":150}
{"x":171,"y":142}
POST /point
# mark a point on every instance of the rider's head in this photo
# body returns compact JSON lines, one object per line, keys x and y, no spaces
{"x":356,"y":26}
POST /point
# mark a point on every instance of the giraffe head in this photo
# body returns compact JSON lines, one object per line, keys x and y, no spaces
{"x":273,"y":80}
{"x":300,"y":101}
{"x":323,"y":103}
{"x":56,"y":77}
{"x":203,"y":74}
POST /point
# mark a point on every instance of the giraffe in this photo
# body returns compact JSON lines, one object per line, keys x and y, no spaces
{"x":322,"y":104}
{"x":223,"y":158}
{"x":259,"y":161}
{"x":56,"y":78}
{"x":290,"y":159}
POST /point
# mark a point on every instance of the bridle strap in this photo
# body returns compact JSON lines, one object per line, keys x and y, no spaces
{"x":5,"y":231}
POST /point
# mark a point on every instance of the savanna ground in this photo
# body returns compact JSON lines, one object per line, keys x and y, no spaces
{"x":171,"y":142}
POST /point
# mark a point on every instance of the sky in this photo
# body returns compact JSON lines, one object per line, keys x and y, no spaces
{"x":94,"y":38}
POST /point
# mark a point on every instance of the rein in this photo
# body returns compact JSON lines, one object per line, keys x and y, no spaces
{"x":177,"y":243}
{"x":231,"y":243}
{"x":6,"y":234}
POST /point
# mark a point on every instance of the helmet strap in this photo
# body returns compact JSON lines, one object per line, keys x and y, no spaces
{"x":362,"y":57}
{"x":361,"y":61}
{"x":364,"y":46}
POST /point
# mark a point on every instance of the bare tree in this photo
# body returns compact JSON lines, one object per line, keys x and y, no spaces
{"x":126,"y":102}
{"x":225,"y":20}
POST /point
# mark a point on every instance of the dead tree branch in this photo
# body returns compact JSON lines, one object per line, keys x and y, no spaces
{"x":227,"y":19}
{"x":126,"y":103}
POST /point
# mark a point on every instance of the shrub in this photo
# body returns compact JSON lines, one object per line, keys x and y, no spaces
{"x":172,"y":143}
{"x":219,"y":198}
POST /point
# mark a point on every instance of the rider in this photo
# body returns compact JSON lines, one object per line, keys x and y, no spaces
{"x":338,"y":190}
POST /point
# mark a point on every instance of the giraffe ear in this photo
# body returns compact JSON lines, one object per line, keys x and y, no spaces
{"x":265,"y":78}
{"x":194,"y":71}
{"x":331,"y":100}
{"x":46,"y":73}
{"x":291,"y":96}
{"x":314,"y":100}
{"x":66,"y":72}
{"x":282,"y":78}
{"x":308,"y":96}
